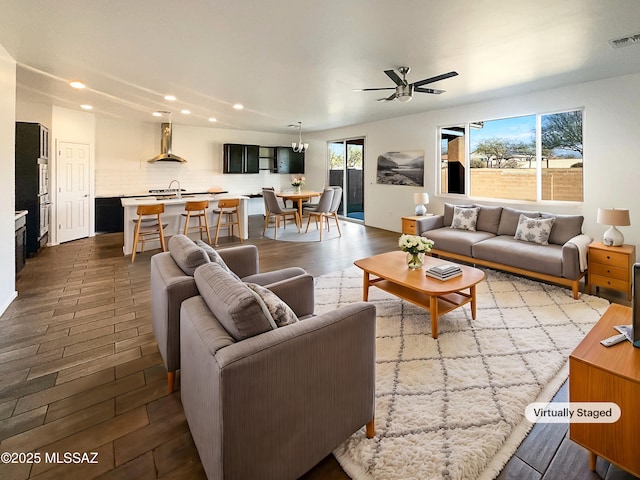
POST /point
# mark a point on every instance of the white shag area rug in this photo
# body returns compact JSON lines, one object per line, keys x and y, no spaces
{"x":453,"y":408}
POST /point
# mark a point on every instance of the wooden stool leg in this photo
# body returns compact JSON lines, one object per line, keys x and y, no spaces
{"x":218,"y":228}
{"x":186,"y":223}
{"x":206,"y":224}
{"x":162,"y":242}
{"x":136,"y":234}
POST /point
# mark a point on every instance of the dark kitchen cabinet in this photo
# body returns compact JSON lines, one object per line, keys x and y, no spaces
{"x":21,"y":240}
{"x":289,"y":161}
{"x":32,"y":181}
{"x":241,"y":158}
{"x":109,"y":215}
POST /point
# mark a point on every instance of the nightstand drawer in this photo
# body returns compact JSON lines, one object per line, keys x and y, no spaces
{"x":409,"y":226}
{"x":602,"y":281}
{"x":619,"y":273}
{"x":614,"y":259}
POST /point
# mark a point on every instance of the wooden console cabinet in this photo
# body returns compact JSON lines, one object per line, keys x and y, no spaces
{"x":608,"y":374}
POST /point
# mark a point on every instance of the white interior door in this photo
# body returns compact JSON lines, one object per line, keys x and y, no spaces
{"x":72,"y":203}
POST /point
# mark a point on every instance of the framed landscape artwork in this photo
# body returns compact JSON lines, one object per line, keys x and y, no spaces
{"x":401,"y":168}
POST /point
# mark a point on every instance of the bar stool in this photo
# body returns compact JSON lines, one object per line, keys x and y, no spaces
{"x":148,"y":228}
{"x":200,"y":207}
{"x":228,"y":207}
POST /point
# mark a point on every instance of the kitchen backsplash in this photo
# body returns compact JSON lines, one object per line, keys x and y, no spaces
{"x":111,"y":182}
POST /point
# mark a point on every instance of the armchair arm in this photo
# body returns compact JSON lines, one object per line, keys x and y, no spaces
{"x":570,"y":261}
{"x":429,"y":223}
{"x":297,"y":292}
{"x":242,"y":260}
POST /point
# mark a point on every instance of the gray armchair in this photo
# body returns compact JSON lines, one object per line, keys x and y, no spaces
{"x":272,"y":405}
{"x":172,"y":282}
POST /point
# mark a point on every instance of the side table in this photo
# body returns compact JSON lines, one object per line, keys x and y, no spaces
{"x":409,"y":225}
{"x":610,"y":267}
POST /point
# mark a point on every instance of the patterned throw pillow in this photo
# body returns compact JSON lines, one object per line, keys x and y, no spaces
{"x":465,"y":218}
{"x":280,"y":312}
{"x":535,"y":230}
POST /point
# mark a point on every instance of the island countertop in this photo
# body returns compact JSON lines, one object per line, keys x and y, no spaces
{"x":173,"y":215}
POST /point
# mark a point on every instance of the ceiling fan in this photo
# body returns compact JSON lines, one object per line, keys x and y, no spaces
{"x":403,"y":89}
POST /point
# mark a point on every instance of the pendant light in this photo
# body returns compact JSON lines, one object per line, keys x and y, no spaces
{"x":299,"y":147}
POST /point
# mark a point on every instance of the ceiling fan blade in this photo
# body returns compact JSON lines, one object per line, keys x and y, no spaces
{"x":434,"y":79}
{"x":372,"y":89}
{"x":394,"y":76}
{"x":427,"y":90}
{"x":388,"y":99}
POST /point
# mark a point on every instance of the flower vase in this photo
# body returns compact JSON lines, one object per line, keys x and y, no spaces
{"x":415,"y":260}
{"x":297,"y":188}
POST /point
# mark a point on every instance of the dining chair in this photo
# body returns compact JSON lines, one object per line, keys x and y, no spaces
{"x":228,"y":207}
{"x":335,"y":204}
{"x":322,"y":210}
{"x":272,"y":207}
{"x":149,"y":226}
{"x":197,"y":210}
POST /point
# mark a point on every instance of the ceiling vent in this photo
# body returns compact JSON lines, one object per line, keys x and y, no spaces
{"x":625,"y":41}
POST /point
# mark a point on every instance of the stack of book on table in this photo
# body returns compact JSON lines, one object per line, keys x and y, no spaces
{"x":444,"y":271}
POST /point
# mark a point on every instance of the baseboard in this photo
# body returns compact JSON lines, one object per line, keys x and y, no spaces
{"x":7,"y":302}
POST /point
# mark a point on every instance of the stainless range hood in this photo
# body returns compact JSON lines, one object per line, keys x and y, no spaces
{"x":165,"y":147}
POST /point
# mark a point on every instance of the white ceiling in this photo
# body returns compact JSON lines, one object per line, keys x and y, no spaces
{"x":290,"y":61}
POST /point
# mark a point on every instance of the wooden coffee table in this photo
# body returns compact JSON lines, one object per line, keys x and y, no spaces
{"x":392,"y":275}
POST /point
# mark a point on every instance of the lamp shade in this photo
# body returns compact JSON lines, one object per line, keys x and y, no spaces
{"x":613,"y":216}
{"x":420,"y":198}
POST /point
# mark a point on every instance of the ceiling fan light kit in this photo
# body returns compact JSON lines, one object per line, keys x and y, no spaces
{"x":403,"y":89}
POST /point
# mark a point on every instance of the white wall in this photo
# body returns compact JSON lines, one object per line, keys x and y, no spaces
{"x":123,"y":148}
{"x":611,"y":147}
{"x":7,"y":179}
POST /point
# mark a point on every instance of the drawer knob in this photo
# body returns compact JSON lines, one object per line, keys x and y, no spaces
{"x":608,"y":257}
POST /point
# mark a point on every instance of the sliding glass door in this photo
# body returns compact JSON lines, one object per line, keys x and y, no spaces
{"x":346,"y":170}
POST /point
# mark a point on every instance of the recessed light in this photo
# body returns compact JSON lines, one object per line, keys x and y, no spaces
{"x":76,"y":84}
{"x":156,"y":114}
{"x":212,"y":119}
{"x":170,"y":98}
{"x":238,"y":106}
{"x":86,"y":107}
{"x":185,"y":111}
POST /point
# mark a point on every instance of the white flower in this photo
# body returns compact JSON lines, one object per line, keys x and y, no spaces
{"x":415,"y":244}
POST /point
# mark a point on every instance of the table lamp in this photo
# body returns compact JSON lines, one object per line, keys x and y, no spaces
{"x":420,"y":200}
{"x":613,"y":217}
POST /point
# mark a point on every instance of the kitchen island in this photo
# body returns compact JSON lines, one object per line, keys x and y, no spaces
{"x":172,"y":216}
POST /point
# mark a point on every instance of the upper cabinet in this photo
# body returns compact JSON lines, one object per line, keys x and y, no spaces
{"x":289,"y":161}
{"x":241,"y":158}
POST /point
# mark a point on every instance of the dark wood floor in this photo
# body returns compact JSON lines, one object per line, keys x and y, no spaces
{"x":81,"y":372}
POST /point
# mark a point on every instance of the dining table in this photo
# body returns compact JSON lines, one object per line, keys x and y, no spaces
{"x":298,"y":197}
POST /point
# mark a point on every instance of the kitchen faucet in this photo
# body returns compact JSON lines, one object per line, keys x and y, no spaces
{"x":179,"y":189}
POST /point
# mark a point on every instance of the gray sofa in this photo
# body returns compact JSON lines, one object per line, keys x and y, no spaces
{"x":493,"y":244}
{"x":172,"y":282}
{"x":267,"y":402}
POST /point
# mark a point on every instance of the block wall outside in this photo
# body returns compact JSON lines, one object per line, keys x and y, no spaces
{"x":561,"y":184}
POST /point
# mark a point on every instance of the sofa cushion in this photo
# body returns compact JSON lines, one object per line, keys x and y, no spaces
{"x":447,"y":218}
{"x":564,"y":228}
{"x":280,"y":312}
{"x":536,"y":230}
{"x":456,"y":241}
{"x":242,"y":313}
{"x":187,"y":255}
{"x":509,"y":220}
{"x":508,"y":251}
{"x":488,"y":218}
{"x":465,"y":218}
